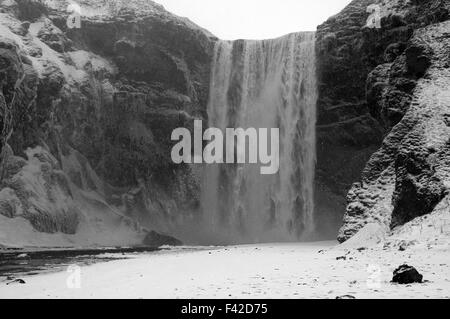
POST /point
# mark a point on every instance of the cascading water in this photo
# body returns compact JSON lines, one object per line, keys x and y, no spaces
{"x":263,"y":84}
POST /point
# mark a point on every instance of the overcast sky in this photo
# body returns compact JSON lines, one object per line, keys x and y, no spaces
{"x":255,"y":19}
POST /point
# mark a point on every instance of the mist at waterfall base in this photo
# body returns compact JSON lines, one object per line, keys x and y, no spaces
{"x":262,"y":84}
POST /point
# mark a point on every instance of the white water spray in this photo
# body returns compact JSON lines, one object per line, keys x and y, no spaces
{"x":263,"y":84}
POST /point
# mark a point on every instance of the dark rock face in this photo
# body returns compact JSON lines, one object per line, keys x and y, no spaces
{"x":347,"y":134}
{"x":419,"y":189}
{"x":161,"y":83}
{"x":153,"y":239}
{"x":101,"y":101}
{"x":406,"y":275}
{"x":368,"y":82}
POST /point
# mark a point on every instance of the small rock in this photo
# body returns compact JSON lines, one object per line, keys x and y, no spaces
{"x":341,"y":258}
{"x":407,"y":275}
{"x":154,"y":239}
{"x":17,"y":281}
{"x":404,"y":245}
{"x":26,"y":25}
{"x":346,"y":297}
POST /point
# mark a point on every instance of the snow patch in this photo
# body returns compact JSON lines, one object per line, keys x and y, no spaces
{"x":71,"y":73}
{"x":82,"y":59}
{"x":5,"y":31}
{"x":99,"y":224}
{"x":428,"y":230}
{"x":370,"y":235}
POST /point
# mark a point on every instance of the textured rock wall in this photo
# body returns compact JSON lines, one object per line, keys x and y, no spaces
{"x":409,"y":176}
{"x":95,"y":107}
{"x":347,"y":134}
{"x":102,"y":100}
{"x":368,"y":82}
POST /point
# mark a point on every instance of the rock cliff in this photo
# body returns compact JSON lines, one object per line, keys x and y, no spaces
{"x":385,"y":87}
{"x":87,"y":112}
{"x":87,"y":108}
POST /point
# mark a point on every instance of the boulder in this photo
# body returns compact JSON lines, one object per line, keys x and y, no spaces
{"x":16,"y":281}
{"x":346,"y":297}
{"x":154,"y":239}
{"x":405,"y":275}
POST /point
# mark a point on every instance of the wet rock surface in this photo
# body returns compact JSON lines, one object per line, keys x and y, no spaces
{"x":15,"y":263}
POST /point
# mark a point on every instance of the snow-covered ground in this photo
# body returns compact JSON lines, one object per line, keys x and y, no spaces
{"x":316,"y":270}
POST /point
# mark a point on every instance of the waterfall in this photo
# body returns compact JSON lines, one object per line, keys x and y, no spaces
{"x":263,"y":84}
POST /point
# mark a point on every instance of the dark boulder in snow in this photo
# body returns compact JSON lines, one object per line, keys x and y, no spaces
{"x":17,"y":281}
{"x":154,"y":239}
{"x":346,"y":297}
{"x":407,"y":275}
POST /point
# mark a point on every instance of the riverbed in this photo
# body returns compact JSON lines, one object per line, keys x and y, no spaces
{"x":292,"y":271}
